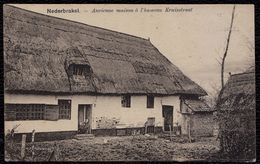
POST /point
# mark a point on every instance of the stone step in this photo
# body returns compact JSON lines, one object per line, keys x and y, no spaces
{"x":84,"y":136}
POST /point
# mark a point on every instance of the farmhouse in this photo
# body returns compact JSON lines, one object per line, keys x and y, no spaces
{"x":64,"y":78}
{"x":236,"y":112}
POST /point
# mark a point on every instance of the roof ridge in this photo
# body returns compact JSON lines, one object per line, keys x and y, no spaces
{"x":243,"y":73}
{"x":81,"y":23}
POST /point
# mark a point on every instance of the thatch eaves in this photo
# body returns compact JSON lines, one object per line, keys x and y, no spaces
{"x":39,"y":49}
{"x":198,"y":106}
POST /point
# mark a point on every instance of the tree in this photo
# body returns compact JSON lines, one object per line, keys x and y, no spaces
{"x":226,"y":49}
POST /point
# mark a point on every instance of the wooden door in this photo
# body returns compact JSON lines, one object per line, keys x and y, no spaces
{"x":84,"y":118}
{"x":168,"y":117}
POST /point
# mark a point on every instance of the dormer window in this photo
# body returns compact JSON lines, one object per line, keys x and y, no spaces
{"x":80,"y":69}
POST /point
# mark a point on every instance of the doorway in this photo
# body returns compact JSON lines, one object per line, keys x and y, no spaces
{"x":84,"y":118}
{"x":167,"y":112}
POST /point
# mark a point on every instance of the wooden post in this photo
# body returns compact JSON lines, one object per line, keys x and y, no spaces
{"x":57,"y":152}
{"x":33,"y":134}
{"x":23,"y":146}
{"x":189,"y":131}
{"x":54,"y":154}
{"x":145,"y":129}
{"x":133,"y":134}
{"x":170,"y":132}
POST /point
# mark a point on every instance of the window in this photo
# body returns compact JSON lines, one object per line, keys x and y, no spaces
{"x":14,"y":112}
{"x":80,"y":69}
{"x":64,"y":109}
{"x":24,"y":112}
{"x":150,"y":101}
{"x":126,"y":101}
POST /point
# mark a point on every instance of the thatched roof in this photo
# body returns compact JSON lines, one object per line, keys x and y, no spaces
{"x":39,"y":48}
{"x":239,"y":92}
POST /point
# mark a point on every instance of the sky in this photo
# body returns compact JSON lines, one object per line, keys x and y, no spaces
{"x":194,"y":40}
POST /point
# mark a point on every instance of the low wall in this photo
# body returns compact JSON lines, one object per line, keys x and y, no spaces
{"x":202,"y":124}
{"x":46,"y":136}
{"x":61,"y":135}
{"x":125,"y":131}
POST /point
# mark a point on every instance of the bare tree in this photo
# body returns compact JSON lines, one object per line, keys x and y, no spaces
{"x":213,"y":94}
{"x":222,"y":63}
{"x":226,"y":49}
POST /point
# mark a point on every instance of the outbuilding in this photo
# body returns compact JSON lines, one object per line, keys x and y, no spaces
{"x":236,"y":113}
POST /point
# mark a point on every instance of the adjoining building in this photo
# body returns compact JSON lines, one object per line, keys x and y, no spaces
{"x":64,"y":77}
{"x":236,"y":112}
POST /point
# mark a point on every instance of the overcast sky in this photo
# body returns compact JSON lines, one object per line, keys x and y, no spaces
{"x":193,"y":41}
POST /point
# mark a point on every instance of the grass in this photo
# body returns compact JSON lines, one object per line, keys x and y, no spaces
{"x":125,"y":148}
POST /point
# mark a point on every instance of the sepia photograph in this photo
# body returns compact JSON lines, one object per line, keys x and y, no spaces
{"x":129,"y":82}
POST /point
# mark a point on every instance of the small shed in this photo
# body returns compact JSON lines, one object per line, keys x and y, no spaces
{"x":236,"y":114}
{"x":198,"y":118}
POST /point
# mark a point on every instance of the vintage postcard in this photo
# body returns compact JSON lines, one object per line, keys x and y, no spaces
{"x":103,"y":82}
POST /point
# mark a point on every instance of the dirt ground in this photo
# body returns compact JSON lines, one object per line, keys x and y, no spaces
{"x":124,"y":148}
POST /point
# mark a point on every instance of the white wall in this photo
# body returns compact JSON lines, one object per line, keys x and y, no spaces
{"x":134,"y":116}
{"x":46,"y":125}
{"x":103,"y":106}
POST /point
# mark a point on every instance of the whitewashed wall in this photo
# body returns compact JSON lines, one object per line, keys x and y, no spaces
{"x":103,"y":106}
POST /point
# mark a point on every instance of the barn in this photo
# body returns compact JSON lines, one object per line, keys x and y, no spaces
{"x":63,"y":78}
{"x":236,"y":112}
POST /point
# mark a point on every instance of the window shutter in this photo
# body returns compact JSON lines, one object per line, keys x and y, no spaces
{"x":51,"y":112}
